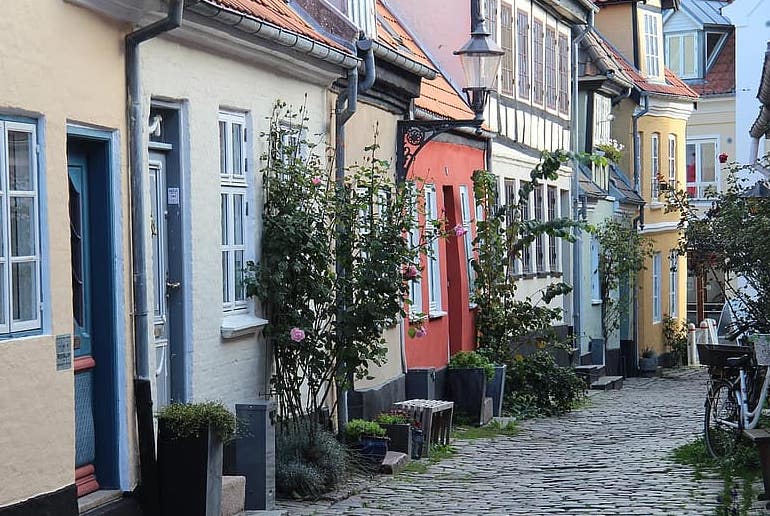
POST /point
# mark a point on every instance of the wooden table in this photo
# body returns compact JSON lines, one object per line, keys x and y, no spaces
{"x":435,"y":417}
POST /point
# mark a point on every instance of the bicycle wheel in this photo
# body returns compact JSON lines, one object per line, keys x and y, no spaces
{"x":721,"y":406}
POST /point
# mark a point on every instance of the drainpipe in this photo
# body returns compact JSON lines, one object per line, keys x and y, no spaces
{"x":637,"y":187}
{"x":347,"y":103}
{"x":577,"y":259}
{"x":142,"y":393}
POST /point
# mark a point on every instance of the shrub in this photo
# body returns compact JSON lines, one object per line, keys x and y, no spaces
{"x":308,"y":464}
{"x":675,"y":337}
{"x":393,"y":417}
{"x":190,"y":419}
{"x":537,"y":385}
{"x":357,"y":428}
{"x":472,"y":360}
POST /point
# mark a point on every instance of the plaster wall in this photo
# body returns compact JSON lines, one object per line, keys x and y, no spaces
{"x":615,"y":22}
{"x":233,"y":370}
{"x":55,"y":75}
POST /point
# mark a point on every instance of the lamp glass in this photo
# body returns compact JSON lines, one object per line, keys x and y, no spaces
{"x":480,"y":68}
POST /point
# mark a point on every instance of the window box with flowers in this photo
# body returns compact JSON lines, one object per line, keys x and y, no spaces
{"x":612,"y":150}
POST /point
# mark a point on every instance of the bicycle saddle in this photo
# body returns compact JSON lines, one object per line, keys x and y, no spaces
{"x":738,"y":361}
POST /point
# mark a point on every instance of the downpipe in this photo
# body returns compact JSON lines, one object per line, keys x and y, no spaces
{"x":637,"y":187}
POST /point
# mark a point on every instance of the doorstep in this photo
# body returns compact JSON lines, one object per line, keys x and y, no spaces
{"x":98,"y":499}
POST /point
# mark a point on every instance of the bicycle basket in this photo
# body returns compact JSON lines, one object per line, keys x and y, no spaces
{"x":762,"y":349}
{"x":716,"y":355}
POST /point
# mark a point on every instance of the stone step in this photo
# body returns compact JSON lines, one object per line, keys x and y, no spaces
{"x":606,"y":383}
{"x":590,"y":373}
{"x":394,"y":463}
{"x":233,"y":495}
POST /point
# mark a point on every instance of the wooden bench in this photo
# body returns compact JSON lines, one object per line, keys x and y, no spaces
{"x":761,"y":438}
{"x":435,"y":417}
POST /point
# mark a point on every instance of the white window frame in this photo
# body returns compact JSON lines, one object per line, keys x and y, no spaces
{"x":654,"y":166}
{"x":551,"y":69}
{"x":596,"y":293}
{"x":10,"y":326}
{"x":699,"y":185}
{"x":522,"y":54}
{"x":656,"y":288}
{"x":234,"y":181}
{"x":552,"y":213}
{"x":673,"y":279}
{"x":602,"y":122}
{"x":563,"y":72}
{"x":362,"y":14}
{"x":678,"y":40}
{"x":434,"y":260}
{"x":652,"y":45}
{"x":415,"y":285}
{"x":465,"y":213}
{"x":671,"y":161}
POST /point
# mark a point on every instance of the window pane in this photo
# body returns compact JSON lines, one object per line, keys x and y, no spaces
{"x":690,"y":58}
{"x":238,"y":219}
{"x":22,"y":226}
{"x":240,"y":291}
{"x":222,"y":148}
{"x":24,"y":291}
{"x":223,"y":215}
{"x":237,"y":143}
{"x":225,"y":276}
{"x":674,"y":55}
{"x":708,"y":166}
{"x":20,"y":161}
{"x":3,"y":308}
{"x":712,"y":40}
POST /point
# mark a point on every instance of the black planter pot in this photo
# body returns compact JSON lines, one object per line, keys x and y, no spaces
{"x":189,"y":473}
{"x":467,"y":388}
{"x":418,"y":441}
{"x":372,"y":451}
{"x":648,"y":366}
{"x":400,"y":437}
{"x":495,"y":389}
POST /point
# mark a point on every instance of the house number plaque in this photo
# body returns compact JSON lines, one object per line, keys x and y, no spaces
{"x":63,"y":352}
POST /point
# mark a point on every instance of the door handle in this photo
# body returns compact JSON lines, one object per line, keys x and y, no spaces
{"x":170,"y":285}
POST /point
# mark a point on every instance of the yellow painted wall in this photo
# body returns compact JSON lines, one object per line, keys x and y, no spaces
{"x":663,"y":126}
{"x":59,"y":63}
{"x":615,"y":22}
{"x":359,"y":133}
{"x":715,"y":118}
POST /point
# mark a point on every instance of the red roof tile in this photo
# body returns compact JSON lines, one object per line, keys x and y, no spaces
{"x":721,"y":77}
{"x":437,"y":96}
{"x":674,"y":86}
{"x":276,"y":12}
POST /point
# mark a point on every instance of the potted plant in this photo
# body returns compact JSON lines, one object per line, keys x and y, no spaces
{"x":190,"y":438}
{"x":467,"y":376}
{"x":648,"y":363}
{"x":399,"y":428}
{"x":496,"y":387}
{"x":369,"y":440}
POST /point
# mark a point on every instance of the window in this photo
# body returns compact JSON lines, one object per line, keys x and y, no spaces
{"x":671,"y":161}
{"x":465,"y":207}
{"x":510,"y":215}
{"x":682,"y":54}
{"x":550,"y":68}
{"x":563,"y":74}
{"x":596,"y":294}
{"x":714,"y":43}
{"x":490,"y":13}
{"x":434,"y":269}
{"x":362,"y":14}
{"x":656,"y":287}
{"x":553,"y":257}
{"x":651,"y":45}
{"x":526,"y":253}
{"x":654,"y":166}
{"x":537,"y":62}
{"x":506,"y":43}
{"x":673,"y":279}
{"x":540,"y":239}
{"x":702,"y":168}
{"x":415,"y":285}
{"x":522,"y":51}
{"x":233,"y":208}
{"x":602,"y":122}
{"x":20,"y":295}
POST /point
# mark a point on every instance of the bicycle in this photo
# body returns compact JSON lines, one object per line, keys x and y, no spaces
{"x":738,"y":387}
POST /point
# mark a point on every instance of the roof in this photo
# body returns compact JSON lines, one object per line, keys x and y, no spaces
{"x":602,"y":62}
{"x":437,"y":96}
{"x":673,"y":85}
{"x":705,"y":12}
{"x":278,"y":13}
{"x":619,"y":182}
{"x":587,"y":186}
{"x":720,"y":78}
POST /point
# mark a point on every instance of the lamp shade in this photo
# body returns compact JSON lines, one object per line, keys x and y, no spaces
{"x":480,"y":58}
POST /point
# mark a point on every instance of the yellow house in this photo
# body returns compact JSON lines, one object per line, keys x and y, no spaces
{"x":651,"y":122}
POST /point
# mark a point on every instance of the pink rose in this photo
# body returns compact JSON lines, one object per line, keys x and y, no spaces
{"x":297,"y":335}
{"x":420,"y":333}
{"x":410,"y":272}
{"x":316,"y":181}
{"x":459,"y":230}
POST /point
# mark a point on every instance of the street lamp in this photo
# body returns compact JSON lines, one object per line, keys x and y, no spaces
{"x":480,"y":58}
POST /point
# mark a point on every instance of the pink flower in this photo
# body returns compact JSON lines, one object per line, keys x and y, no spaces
{"x":410,"y":272}
{"x":316,"y":181}
{"x":421,"y":332}
{"x":297,"y":335}
{"x":459,"y":230}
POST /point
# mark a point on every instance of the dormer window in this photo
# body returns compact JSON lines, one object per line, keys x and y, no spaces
{"x":682,"y":54}
{"x":362,"y":14}
{"x":652,"y":45}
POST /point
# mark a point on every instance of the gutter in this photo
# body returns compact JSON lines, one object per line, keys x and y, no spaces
{"x":346,"y":105}
{"x":761,"y":126}
{"x":253,"y":26}
{"x":142,"y":392}
{"x":640,"y":219}
{"x":389,"y":55}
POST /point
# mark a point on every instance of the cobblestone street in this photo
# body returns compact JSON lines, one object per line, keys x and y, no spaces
{"x":612,"y":457}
